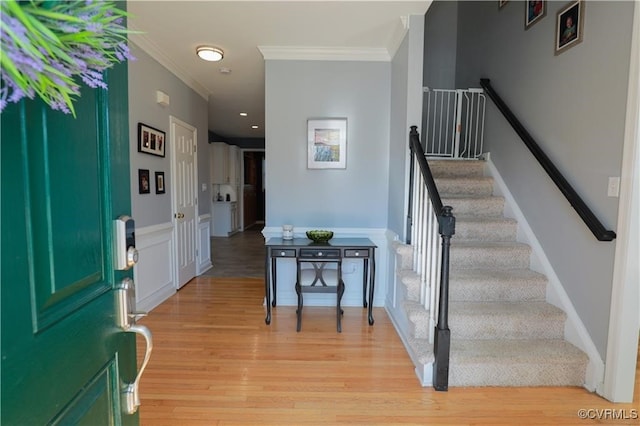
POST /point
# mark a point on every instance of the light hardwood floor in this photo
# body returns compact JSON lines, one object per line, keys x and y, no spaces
{"x":215,"y":362}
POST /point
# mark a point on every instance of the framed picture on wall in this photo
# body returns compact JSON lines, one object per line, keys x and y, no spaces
{"x":160,"y":183}
{"x":535,"y":10}
{"x":150,"y":140}
{"x":144,"y":185}
{"x":327,"y":143}
{"x":569,"y":26}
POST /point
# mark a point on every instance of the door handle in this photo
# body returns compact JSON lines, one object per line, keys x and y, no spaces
{"x":130,"y":394}
{"x":179,"y":215}
{"x":126,"y":316}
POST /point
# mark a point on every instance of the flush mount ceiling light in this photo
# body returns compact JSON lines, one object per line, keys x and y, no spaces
{"x":209,"y":53}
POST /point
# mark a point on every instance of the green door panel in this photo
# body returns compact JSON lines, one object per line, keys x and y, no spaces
{"x":64,"y":180}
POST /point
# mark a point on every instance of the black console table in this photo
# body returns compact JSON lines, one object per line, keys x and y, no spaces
{"x":348,"y":248}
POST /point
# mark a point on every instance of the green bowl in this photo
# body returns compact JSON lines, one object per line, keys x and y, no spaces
{"x":319,"y":236}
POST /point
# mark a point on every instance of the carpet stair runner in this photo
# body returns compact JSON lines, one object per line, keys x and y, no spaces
{"x":503,"y":332}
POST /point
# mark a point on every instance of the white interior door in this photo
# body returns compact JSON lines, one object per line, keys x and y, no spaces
{"x":185,"y":201}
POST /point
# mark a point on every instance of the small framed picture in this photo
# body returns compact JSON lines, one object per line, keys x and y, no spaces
{"x":535,"y":10}
{"x":150,"y":140}
{"x":327,"y":143}
{"x":569,"y":26}
{"x":144,"y":186}
{"x":160,"y":183}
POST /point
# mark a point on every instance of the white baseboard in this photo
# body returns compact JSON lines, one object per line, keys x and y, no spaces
{"x":575,"y":332}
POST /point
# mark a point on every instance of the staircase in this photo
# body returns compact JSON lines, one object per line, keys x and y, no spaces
{"x":503,"y":332}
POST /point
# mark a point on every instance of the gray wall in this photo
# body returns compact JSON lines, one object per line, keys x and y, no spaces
{"x":406,"y":111}
{"x":399,"y":139}
{"x":440,"y":40}
{"x":574,"y":106}
{"x":353,"y":197}
{"x":146,"y":76}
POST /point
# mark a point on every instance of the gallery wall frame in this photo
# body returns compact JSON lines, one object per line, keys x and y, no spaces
{"x":144,"y":184}
{"x":569,"y":26}
{"x":151,"y":140}
{"x":327,"y":143}
{"x":160,"y":183}
{"x":534,"y":11}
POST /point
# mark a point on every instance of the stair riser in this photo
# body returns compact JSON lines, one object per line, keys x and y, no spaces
{"x":440,"y":169}
{"x":487,"y":327}
{"x":488,"y":292}
{"x":478,"y":207}
{"x":478,"y":231}
{"x":506,"y":327}
{"x":484,"y":258}
{"x":404,"y":258}
{"x":477,"y":188}
{"x":411,"y":286}
{"x":524,"y":374}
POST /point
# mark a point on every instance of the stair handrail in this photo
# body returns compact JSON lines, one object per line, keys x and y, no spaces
{"x":589,"y":218}
{"x":446,"y":229}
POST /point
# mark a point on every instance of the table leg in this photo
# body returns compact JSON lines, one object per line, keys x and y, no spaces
{"x":267,"y":287}
{"x":365,"y":277}
{"x":274,"y":282}
{"x":372,"y":284}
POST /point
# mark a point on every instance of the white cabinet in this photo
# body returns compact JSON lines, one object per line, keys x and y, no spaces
{"x":225,"y":165}
{"x":220,"y":163}
{"x":225,"y":218}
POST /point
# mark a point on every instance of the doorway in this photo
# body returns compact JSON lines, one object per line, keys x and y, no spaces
{"x":253,"y":188}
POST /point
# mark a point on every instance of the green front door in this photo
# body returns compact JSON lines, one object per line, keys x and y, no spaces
{"x":64,"y":181}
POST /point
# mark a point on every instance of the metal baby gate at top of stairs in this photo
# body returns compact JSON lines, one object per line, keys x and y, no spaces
{"x":453,"y":124}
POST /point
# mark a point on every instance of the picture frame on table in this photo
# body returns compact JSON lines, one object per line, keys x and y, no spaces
{"x":327,"y":143}
{"x":151,"y":140}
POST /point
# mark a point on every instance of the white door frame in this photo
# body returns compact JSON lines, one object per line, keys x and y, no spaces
{"x":624,"y":317}
{"x":176,"y":267}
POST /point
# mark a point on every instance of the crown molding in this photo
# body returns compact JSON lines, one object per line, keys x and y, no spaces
{"x":292,"y":53}
{"x":152,"y":50}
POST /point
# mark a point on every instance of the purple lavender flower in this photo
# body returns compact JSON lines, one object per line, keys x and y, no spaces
{"x":51,"y":72}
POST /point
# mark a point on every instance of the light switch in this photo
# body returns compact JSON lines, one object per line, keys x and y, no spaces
{"x":613,"y":189}
{"x":204,"y":187}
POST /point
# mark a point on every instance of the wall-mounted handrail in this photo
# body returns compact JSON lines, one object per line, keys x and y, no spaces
{"x":429,"y":214}
{"x":590,"y":219}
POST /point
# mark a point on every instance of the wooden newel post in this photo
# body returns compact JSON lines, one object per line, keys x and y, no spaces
{"x":442,"y":340}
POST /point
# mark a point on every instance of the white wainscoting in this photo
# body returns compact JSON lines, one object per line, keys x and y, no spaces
{"x":204,"y":244}
{"x":153,"y":274}
{"x":351,"y":270}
